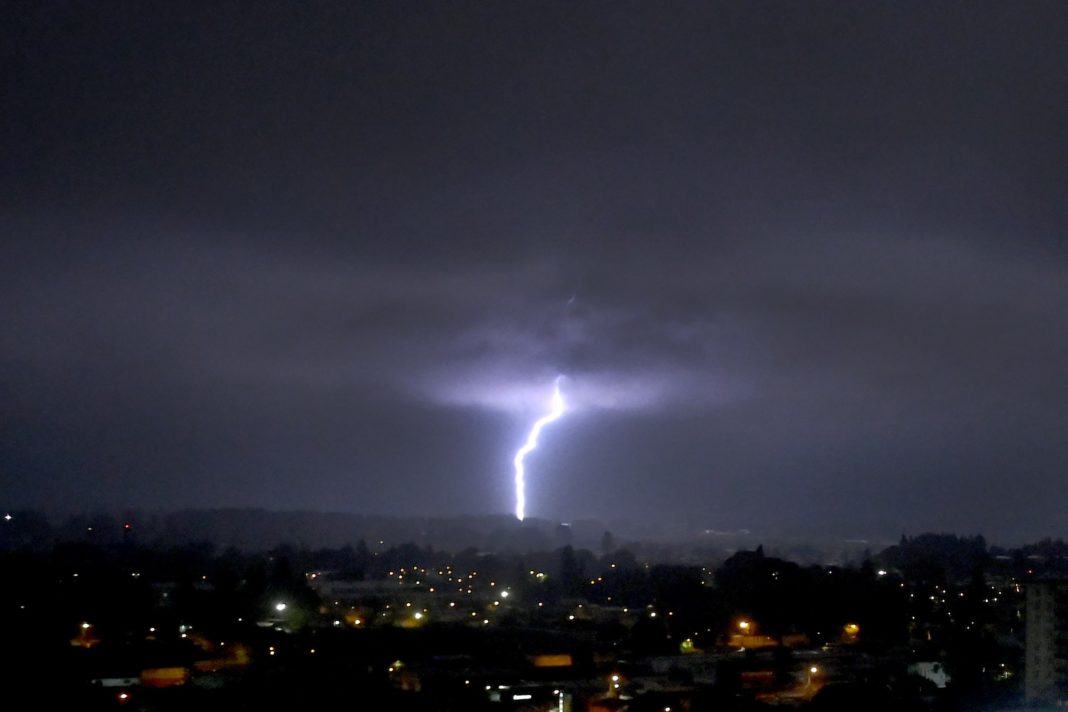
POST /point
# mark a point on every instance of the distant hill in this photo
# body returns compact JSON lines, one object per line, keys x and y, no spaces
{"x":261,"y":529}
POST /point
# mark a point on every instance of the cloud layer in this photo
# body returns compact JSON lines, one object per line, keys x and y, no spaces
{"x":800,"y":269}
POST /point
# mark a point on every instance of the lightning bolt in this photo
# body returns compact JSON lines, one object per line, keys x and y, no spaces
{"x":556,"y":411}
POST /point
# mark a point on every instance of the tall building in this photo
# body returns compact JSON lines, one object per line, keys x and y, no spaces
{"x":1046,"y":658}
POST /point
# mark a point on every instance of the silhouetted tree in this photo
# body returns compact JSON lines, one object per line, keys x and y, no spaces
{"x":608,"y":543}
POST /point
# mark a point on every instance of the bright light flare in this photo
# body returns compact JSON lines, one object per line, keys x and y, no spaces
{"x":558,"y":407}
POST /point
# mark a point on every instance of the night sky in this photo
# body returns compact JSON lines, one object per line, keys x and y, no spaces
{"x":803,"y":265}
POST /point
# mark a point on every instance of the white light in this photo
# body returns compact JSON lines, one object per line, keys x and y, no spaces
{"x":521,"y":697}
{"x":558,"y":408}
{"x":813,"y":669}
{"x":7,"y":517}
{"x":279,"y":607}
{"x":418,"y":616}
{"x":504,"y":594}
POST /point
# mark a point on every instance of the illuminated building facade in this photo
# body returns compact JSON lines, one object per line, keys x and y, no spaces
{"x":1046,"y":660}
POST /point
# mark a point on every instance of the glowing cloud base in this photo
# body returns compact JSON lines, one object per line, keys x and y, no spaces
{"x":558,"y":407}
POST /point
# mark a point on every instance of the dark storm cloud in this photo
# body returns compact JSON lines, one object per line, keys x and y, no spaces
{"x":875,"y":347}
{"x":799,"y":264}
